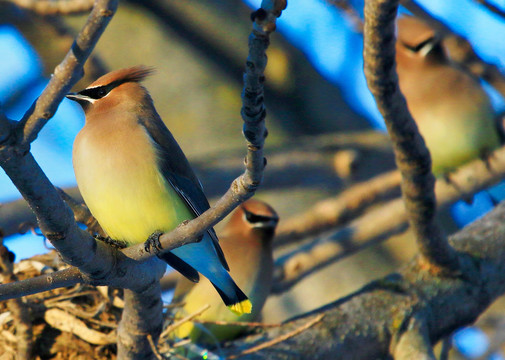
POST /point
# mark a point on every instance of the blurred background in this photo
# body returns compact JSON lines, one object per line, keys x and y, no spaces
{"x":319,"y":111}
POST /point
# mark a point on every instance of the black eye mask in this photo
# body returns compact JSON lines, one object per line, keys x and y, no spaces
{"x":96,"y":92}
{"x":254,"y":219}
{"x":420,"y":46}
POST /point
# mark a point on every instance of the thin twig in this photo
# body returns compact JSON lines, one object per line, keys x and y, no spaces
{"x":350,"y":11}
{"x":178,"y":356}
{"x":330,"y":213}
{"x":412,"y":156}
{"x":237,"y":323}
{"x":491,"y":7}
{"x":154,"y":348}
{"x":184,"y":320}
{"x":279,"y":339}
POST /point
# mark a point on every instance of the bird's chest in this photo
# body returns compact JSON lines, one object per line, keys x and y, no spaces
{"x":117,"y":173}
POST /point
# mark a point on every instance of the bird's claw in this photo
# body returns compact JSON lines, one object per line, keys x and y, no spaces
{"x":153,"y":242}
{"x":118,"y":244}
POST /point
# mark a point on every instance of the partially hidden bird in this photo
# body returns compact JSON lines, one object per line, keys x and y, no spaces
{"x":247,"y":244}
{"x":136,"y":180}
{"x":452,"y":111}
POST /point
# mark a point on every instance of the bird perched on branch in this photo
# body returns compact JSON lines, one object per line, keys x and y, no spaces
{"x":247,"y":243}
{"x":451,"y":109}
{"x":136,"y":180}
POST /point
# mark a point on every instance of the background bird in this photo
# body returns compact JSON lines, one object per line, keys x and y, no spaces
{"x":451,"y":109}
{"x":136,"y":180}
{"x":247,"y":243}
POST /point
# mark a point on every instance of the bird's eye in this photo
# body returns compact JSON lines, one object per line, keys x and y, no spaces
{"x":421,"y":47}
{"x":253,"y":218}
{"x":101,"y":92}
{"x":96,"y":92}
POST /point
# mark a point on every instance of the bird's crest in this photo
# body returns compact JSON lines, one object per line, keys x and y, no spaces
{"x":131,"y":74}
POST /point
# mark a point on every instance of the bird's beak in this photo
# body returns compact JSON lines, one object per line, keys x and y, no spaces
{"x":82,"y":100}
{"x":75,"y":97}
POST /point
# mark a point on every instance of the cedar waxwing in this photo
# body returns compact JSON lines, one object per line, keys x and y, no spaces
{"x":135,"y":179}
{"x":451,"y":109}
{"x":247,"y":244}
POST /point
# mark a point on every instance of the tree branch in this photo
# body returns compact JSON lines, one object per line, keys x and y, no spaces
{"x":412,"y":156}
{"x":67,"y":73}
{"x":493,"y":8}
{"x":142,"y":316}
{"x":332,"y":212}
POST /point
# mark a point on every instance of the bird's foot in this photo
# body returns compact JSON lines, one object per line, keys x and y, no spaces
{"x":153,"y":242}
{"x":118,"y":244}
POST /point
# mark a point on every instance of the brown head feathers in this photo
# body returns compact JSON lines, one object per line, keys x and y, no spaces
{"x":105,"y":84}
{"x":131,"y":74}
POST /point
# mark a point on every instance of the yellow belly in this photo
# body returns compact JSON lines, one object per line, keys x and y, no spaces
{"x":120,"y":183}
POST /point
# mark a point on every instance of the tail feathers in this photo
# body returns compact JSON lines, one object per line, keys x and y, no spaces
{"x":181,"y":266}
{"x":235,"y":300}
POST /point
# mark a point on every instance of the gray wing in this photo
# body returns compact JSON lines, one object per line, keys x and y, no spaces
{"x":179,"y":173}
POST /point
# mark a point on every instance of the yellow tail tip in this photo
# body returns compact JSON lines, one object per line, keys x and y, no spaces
{"x":243,"y":307}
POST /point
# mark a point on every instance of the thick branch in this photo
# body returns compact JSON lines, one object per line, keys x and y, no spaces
{"x":364,"y":325}
{"x":67,"y":73}
{"x":412,"y":156}
{"x":142,"y":316}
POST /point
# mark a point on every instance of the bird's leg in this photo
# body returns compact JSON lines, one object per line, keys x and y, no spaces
{"x":118,"y":244}
{"x":153,"y":242}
